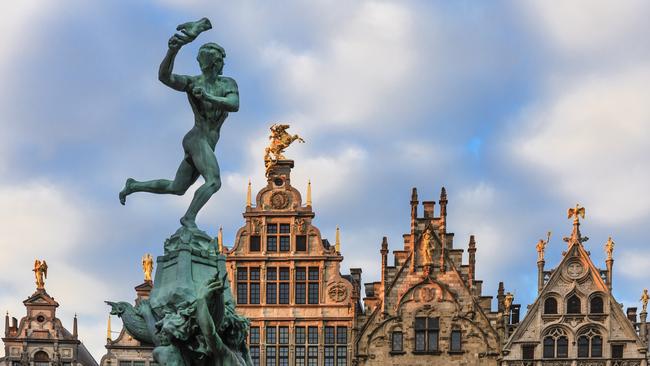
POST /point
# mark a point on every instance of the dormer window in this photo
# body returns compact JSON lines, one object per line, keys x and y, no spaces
{"x":573,"y":305}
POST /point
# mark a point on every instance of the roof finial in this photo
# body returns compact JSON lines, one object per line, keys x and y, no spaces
{"x":248,"y":194}
{"x":309,"y":192}
{"x":337,"y":245}
{"x":576,"y":213}
{"x":40,"y":272}
{"x":108,"y":330}
{"x":220,"y":239}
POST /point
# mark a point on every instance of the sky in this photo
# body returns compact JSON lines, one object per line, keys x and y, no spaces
{"x":521,"y":109}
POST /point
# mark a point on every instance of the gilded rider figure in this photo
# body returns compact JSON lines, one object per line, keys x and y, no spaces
{"x":280,"y":140}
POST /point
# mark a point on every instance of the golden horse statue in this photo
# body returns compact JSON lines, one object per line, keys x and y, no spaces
{"x":280,"y":140}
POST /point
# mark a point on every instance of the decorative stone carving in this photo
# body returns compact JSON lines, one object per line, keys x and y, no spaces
{"x":280,"y":200}
{"x":337,"y":292}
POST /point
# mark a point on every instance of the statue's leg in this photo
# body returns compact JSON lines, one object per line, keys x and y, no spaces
{"x":206,"y":164}
{"x":186,"y":175}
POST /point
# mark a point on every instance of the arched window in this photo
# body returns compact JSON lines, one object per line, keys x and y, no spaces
{"x":550,"y":306}
{"x":590,"y":343}
{"x":596,"y":305}
{"x":573,"y":305}
{"x":556,"y":344}
{"x":41,"y":359}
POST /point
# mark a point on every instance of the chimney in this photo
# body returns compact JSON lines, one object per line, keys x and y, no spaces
{"x":428,"y":209}
{"x":500,"y":297}
{"x":74,"y":327}
{"x":356,"y":274}
{"x":631,"y":314}
{"x":472,"y":261}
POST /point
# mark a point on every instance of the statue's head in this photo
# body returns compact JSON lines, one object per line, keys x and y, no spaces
{"x":210,"y":56}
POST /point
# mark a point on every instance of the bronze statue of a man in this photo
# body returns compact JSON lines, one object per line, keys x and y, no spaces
{"x":211,"y":97}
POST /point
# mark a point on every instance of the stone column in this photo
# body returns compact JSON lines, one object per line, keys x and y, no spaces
{"x":643,"y":328}
{"x":610,"y":266}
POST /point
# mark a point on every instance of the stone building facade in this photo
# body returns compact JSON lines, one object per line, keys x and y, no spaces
{"x":286,"y":279}
{"x":575,"y":320}
{"x":40,"y":339}
{"x":126,"y":350}
{"x":428,"y":307}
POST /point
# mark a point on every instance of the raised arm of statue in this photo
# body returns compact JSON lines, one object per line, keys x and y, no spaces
{"x":165,"y":75}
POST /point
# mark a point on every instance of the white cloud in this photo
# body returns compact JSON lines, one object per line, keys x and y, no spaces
{"x":633,"y":264}
{"x":590,"y":141}
{"x":362,"y":69}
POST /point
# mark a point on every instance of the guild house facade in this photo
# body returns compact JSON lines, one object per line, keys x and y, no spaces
{"x":39,"y":338}
{"x":575,"y":320}
{"x":287,"y":281}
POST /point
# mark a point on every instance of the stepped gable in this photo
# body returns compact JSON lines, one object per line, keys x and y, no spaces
{"x":575,"y":315}
{"x":428,"y":307}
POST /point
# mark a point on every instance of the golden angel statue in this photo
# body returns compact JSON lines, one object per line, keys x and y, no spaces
{"x":609,"y":248}
{"x":541,"y":247}
{"x":147,"y":266}
{"x":644,"y":300}
{"x":280,"y":140}
{"x":40,"y":272}
{"x":428,"y":246}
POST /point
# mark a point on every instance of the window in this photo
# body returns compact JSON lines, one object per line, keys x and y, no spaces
{"x":248,"y":285}
{"x":573,"y":305}
{"x":300,"y":338}
{"x":138,"y":363}
{"x":283,"y":293}
{"x":397,"y":341}
{"x":301,"y":243}
{"x":550,"y":306}
{"x":254,"y":243}
{"x":312,"y":351}
{"x":277,"y":346}
{"x":277,"y":285}
{"x":121,"y":363}
{"x":312,"y":285}
{"x":596,"y":305}
{"x":277,"y":237}
{"x":556,"y":344}
{"x":254,"y":283}
{"x":41,"y":358}
{"x":254,"y":345}
{"x":456,"y":344}
{"x":329,"y":340}
{"x":301,"y":285}
{"x":617,"y":351}
{"x":528,"y":351}
{"x":341,"y":346}
{"x":590,"y":343}
{"x":426,"y":334}
{"x":242,"y":285}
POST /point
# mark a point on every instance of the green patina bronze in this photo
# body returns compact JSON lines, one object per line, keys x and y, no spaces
{"x":211,"y":97}
{"x":190,"y":316}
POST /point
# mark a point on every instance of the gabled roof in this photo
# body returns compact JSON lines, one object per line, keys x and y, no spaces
{"x":40,"y":297}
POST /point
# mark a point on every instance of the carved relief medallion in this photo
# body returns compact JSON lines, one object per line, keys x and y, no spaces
{"x":279,"y":200}
{"x":337,"y":292}
{"x":575,"y":270}
{"x":427,"y":294}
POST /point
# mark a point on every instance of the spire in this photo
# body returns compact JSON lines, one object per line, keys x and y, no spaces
{"x":220,"y":240}
{"x":337,"y":245}
{"x":7,"y":324}
{"x":248,"y":194}
{"x":74,"y":326}
{"x":108,"y":330}
{"x":443,"y":203}
{"x":309,"y":192}
{"x":472,"y":260}
{"x":414,"y":204}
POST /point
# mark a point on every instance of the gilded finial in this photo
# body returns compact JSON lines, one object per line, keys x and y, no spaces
{"x":337,"y":245}
{"x":309,"y":192}
{"x":644,"y":300}
{"x":147,"y":267}
{"x":541,"y":247}
{"x":507,"y":301}
{"x":220,"y":240}
{"x":108,"y":330}
{"x":40,"y":272}
{"x":248,"y":194}
{"x":609,"y":248}
{"x":575,"y":212}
